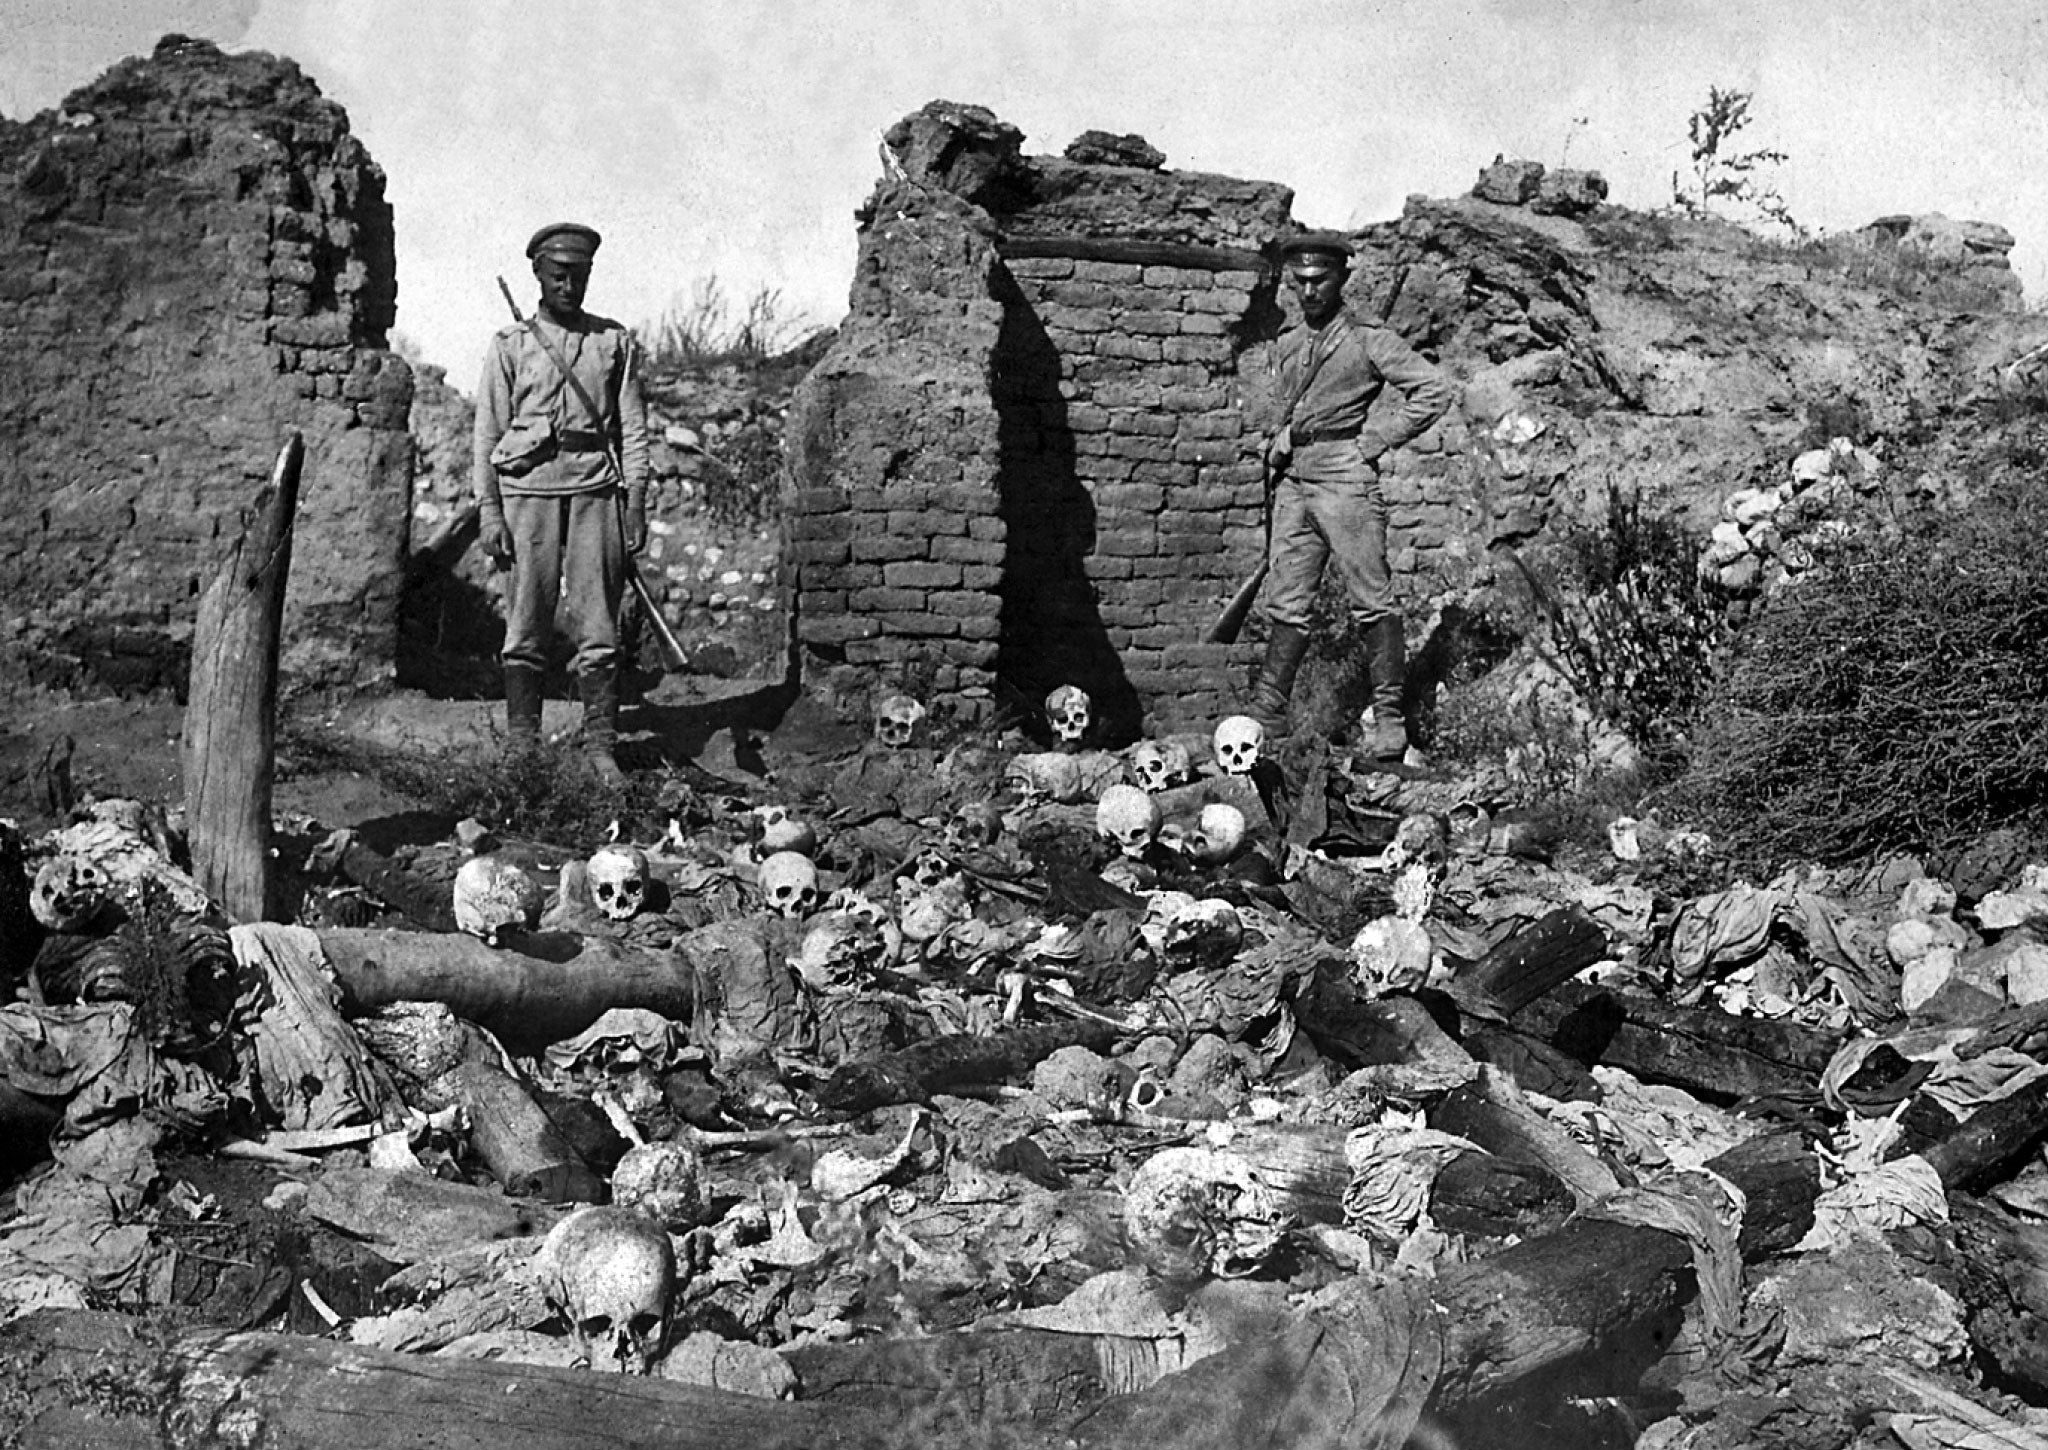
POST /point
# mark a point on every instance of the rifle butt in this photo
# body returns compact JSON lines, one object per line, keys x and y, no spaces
{"x":673,"y":655}
{"x":1230,"y":623}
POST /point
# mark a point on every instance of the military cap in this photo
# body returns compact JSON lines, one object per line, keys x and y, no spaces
{"x":566,"y":241}
{"x":1316,"y":251}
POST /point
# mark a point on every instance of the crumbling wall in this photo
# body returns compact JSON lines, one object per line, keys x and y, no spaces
{"x":1095,"y":433}
{"x":195,"y":258}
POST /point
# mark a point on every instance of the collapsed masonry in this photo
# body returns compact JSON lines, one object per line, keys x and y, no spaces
{"x":196,"y":258}
{"x":1031,"y":457}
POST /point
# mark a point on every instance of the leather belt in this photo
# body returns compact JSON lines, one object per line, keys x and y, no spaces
{"x":580,"y":440}
{"x":1324,"y":435}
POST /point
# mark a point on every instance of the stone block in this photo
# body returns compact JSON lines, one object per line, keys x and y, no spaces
{"x":1212,"y":425}
{"x":1118,"y":345}
{"x":1203,"y":324}
{"x":936,"y":523}
{"x":922,"y":574}
{"x":1195,"y":279}
{"x":1143,"y":450}
{"x":1144,"y":498}
{"x":807,"y":528}
{"x":1207,"y":450}
{"x":1204,"y":350}
{"x":1147,"y":425}
{"x":1191,"y":543}
{"x":1158,"y":322}
{"x":983,"y":627}
{"x":1204,"y":498}
{"x":961,"y":604}
{"x":834,"y":629}
{"x":1076,"y":319}
{"x":820,"y":551}
{"x":1222,"y":301}
{"x":1166,"y":473}
{"x":1087,"y":418}
{"x":1040,"y":269}
{"x":1129,"y":543}
{"x":1240,"y":280}
{"x":1082,"y":294}
{"x":987,"y":529}
{"x":968,"y":550}
{"x":1127,"y":395}
{"x":1120,"y":274}
{"x":980,"y":576}
{"x":918,"y":623}
{"x":824,"y":601}
{"x":1194,"y":400}
{"x":886,"y":549}
{"x":891,"y":598}
{"x":1110,"y":569}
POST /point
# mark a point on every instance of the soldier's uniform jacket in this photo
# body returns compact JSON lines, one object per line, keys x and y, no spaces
{"x":1333,"y":439}
{"x":534,"y":436}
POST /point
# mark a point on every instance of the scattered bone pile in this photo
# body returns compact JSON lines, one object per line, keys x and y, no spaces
{"x":1186,"y":1045}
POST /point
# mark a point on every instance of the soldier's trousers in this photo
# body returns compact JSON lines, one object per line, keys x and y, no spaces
{"x":1340,"y":524}
{"x":567,"y":555}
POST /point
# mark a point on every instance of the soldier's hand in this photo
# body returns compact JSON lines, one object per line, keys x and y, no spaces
{"x":1281,"y":448}
{"x":636,"y":527}
{"x":495,"y":538}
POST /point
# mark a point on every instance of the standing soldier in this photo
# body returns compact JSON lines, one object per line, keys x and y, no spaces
{"x":560,"y":398}
{"x":1323,"y":462}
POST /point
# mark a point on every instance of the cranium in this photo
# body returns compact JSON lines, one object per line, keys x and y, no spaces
{"x":926,"y":915}
{"x":665,"y":1182}
{"x":1128,"y":817}
{"x":1044,"y":776}
{"x":1391,"y":954}
{"x":775,"y":829}
{"x":493,"y":896}
{"x":974,"y":827}
{"x":612,"y":1273}
{"x":1206,"y":934}
{"x":1237,"y":743}
{"x":1158,"y":765}
{"x":69,"y":893}
{"x":618,"y":881}
{"x":846,"y":947}
{"x":1067,"y":710}
{"x":789,"y":884}
{"x":1216,"y":839}
{"x":897,"y":719}
{"x":1162,"y":907}
{"x":928,"y":869}
{"x":1193,"y":1212}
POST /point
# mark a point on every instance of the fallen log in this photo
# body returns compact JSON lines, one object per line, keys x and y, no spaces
{"x":2002,"y":1267}
{"x":1530,"y":963}
{"x":543,"y":988}
{"x":78,"y":1378}
{"x":517,"y":1141}
{"x":230,"y":737}
{"x":944,"y":1063}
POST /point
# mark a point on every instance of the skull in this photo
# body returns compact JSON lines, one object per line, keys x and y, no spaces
{"x":775,"y":829}
{"x":1158,"y":765}
{"x":493,"y":896}
{"x":1205,"y":934}
{"x":664,"y":1182}
{"x":974,"y":827}
{"x":896,"y":721}
{"x":1391,"y":954}
{"x":928,"y":870}
{"x":1417,"y":857}
{"x":1217,"y":838}
{"x":844,"y":947}
{"x":69,"y":893}
{"x":611,"y":1272}
{"x":1067,"y":711}
{"x":789,"y":884}
{"x":618,"y":881}
{"x":1194,"y":1212}
{"x":1237,"y":742}
{"x":1128,"y":817}
{"x":1044,"y":776}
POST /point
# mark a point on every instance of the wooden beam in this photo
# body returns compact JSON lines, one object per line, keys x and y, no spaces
{"x":1137,"y":250}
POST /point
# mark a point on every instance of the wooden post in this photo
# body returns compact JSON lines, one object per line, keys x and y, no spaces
{"x":231,"y":707}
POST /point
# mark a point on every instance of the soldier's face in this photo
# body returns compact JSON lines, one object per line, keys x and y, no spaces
{"x":562,"y":284}
{"x":1319,"y":291}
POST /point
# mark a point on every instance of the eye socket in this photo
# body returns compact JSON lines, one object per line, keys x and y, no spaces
{"x":642,"y":1325}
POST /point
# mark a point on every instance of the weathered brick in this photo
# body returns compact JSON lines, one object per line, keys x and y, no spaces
{"x":874,"y":601}
{"x":1082,"y":294}
{"x":984,"y":627}
{"x":1222,"y":301}
{"x":1241,"y":280}
{"x":1077,"y":319}
{"x":1203,"y":324}
{"x":1406,"y":518}
{"x":887,"y":549}
{"x":1105,"y":469}
{"x":1132,"y":543}
{"x":1087,"y":418}
{"x":1124,"y":616}
{"x":1196,"y":349}
{"x":921,"y":623}
{"x":960,"y":604}
{"x":1198,"y":656}
{"x":987,"y":529}
{"x":980,"y":576}
{"x":1151,"y":593}
{"x":1228,"y":424}
{"x":1146,"y":450}
{"x":824,"y":601}
{"x":1188,"y":544}
{"x":1116,"y":345}
{"x":1107,"y":568}
{"x":1156,"y":568}
{"x":1147,"y":425}
{"x":875,"y":651}
{"x":1157,"y":636}
{"x":936,"y":523}
{"x":968,"y":550}
{"x":1195,"y":400}
{"x":1204,"y":498}
{"x":1207,"y":450}
{"x":1127,"y":395}
{"x":921,"y":574}
{"x":1169,"y":474}
{"x":805,"y":528}
{"x":1134,"y":497}
{"x":1233,"y":475}
{"x":820,"y":551}
{"x":1040,"y":269}
{"x":834,"y":629}
{"x":820,"y":500}
{"x":1194,"y":278}
{"x":1152,"y":322}
{"x":1120,"y":274}
{"x":844,"y":576}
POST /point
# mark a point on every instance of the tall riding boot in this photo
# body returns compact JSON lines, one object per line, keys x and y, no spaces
{"x":522,"y":708}
{"x":1389,"y":643}
{"x":600,"y":690}
{"x":1274,"y":683}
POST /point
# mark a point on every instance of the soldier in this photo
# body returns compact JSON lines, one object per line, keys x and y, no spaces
{"x":1323,"y":462}
{"x":551,"y":502}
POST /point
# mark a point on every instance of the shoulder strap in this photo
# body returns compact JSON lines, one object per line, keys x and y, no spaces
{"x":568,"y":374}
{"x":1317,"y":356}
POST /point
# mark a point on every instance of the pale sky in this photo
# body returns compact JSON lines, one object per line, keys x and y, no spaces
{"x":733,"y":139}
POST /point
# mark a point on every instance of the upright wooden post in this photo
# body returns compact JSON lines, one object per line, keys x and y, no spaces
{"x":231,"y":711}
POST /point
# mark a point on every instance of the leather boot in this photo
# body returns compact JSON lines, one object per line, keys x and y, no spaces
{"x":522,"y":708}
{"x":600,"y":690}
{"x":1274,"y":683}
{"x":1389,"y":643}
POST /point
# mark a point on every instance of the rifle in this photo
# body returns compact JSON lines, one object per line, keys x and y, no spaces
{"x":1231,"y":621}
{"x":673,"y":656}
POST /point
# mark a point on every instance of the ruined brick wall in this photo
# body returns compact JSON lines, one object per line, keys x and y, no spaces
{"x":196,"y":258}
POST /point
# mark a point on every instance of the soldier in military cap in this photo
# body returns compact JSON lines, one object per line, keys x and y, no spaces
{"x":549,"y":498}
{"x":1323,"y":459}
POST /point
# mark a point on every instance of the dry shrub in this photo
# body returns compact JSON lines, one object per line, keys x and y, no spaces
{"x":1894,"y":698}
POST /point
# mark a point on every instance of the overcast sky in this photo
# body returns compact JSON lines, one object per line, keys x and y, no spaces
{"x":733,"y":139}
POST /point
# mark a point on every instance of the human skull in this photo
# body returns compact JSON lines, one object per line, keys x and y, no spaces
{"x":69,"y":893}
{"x":1391,"y":954}
{"x":665,"y":1182}
{"x":1129,"y":818}
{"x":611,"y":1272}
{"x":776,"y":829}
{"x":1205,"y":934}
{"x":1216,"y":839}
{"x":789,"y":884}
{"x":1158,"y":765}
{"x":1237,"y":743}
{"x":846,"y":947}
{"x":974,"y":827}
{"x":1194,"y":1212}
{"x":897,"y":719}
{"x":927,"y":870}
{"x":1044,"y":776}
{"x":618,"y":881}
{"x":1067,"y":710}
{"x":493,"y":896}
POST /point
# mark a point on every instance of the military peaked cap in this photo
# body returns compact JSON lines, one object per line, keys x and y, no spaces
{"x":1317,"y":251}
{"x":567,"y":241}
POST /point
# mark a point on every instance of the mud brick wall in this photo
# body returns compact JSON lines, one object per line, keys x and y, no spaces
{"x":195,"y":259}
